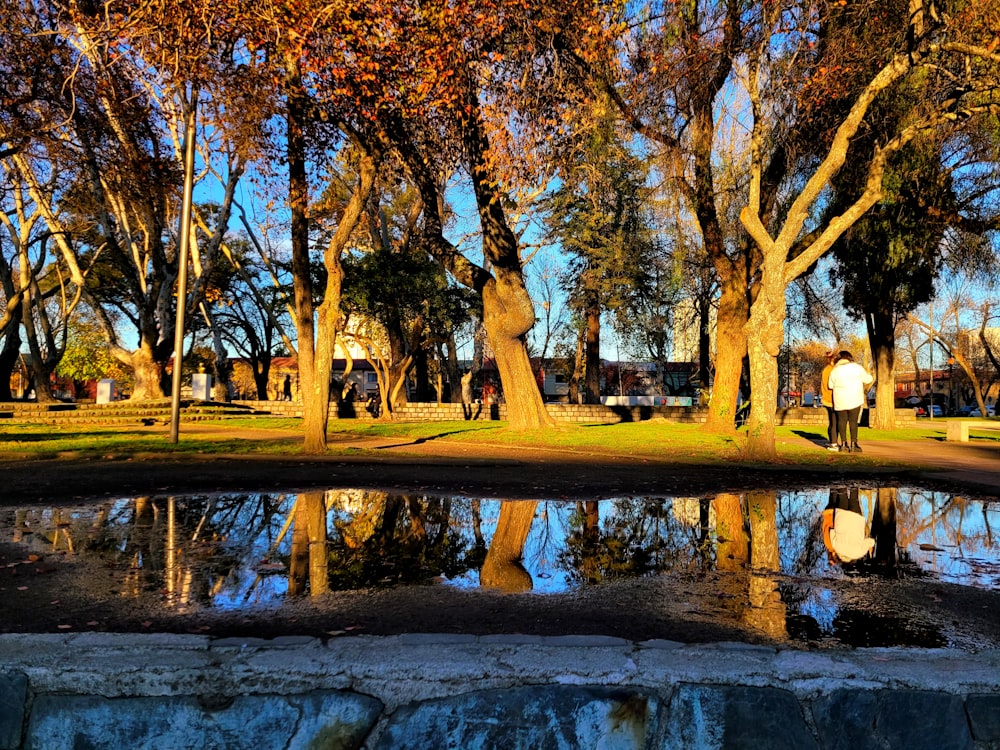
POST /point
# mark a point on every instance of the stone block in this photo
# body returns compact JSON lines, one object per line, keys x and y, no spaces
{"x":322,"y":719}
{"x":914,"y":719}
{"x":923,"y":720}
{"x":845,"y":720}
{"x":541,"y":718}
{"x":13,"y":697}
{"x":707,"y":717}
{"x":984,"y":717}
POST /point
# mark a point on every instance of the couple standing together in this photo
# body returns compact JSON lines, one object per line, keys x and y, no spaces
{"x":843,"y":389}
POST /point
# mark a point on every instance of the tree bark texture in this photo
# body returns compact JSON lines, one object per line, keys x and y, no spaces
{"x":730,"y":349}
{"x":592,"y":368}
{"x":148,"y":373}
{"x":765,"y":333}
{"x":882,"y":337}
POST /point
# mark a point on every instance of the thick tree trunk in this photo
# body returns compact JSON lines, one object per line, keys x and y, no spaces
{"x":882,"y":339}
{"x":508,"y":315}
{"x":148,"y":374}
{"x":765,"y":333}
{"x":730,"y":348}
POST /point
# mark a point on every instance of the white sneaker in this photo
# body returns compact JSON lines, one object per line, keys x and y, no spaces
{"x":833,"y":447}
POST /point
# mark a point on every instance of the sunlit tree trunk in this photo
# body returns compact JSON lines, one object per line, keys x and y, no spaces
{"x":765,"y":333}
{"x":730,"y":348}
{"x":508,"y":315}
{"x":147,"y":371}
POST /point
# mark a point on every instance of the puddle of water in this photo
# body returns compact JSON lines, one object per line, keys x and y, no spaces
{"x":769,"y":552}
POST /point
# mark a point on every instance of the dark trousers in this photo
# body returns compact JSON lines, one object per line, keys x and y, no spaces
{"x":845,"y":418}
{"x":831,"y":424}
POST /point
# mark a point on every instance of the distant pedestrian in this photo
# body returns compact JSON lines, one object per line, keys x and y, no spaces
{"x":848,"y":381}
{"x":826,"y":398}
{"x":286,"y":394}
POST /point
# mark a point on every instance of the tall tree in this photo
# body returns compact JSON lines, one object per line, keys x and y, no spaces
{"x":599,"y":214}
{"x":948,"y":50}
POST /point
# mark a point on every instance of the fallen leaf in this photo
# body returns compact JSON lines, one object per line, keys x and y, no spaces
{"x":22,"y":588}
{"x":64,"y":627}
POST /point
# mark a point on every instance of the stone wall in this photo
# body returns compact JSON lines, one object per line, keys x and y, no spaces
{"x":581,"y":413}
{"x":432,"y":691}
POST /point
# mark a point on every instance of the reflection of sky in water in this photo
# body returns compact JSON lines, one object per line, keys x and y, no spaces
{"x":234,"y":551}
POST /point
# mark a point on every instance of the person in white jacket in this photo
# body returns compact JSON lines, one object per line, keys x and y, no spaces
{"x":848,"y":381}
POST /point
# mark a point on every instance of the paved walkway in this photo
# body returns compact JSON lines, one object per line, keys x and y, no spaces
{"x":975,"y":463}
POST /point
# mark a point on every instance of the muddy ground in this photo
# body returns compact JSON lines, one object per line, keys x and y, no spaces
{"x":44,"y":595}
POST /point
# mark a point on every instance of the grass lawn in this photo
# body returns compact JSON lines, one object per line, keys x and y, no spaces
{"x":678,"y":443}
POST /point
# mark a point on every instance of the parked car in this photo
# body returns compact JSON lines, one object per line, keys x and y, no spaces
{"x":965,"y":411}
{"x":922,"y":410}
{"x":990,"y":412}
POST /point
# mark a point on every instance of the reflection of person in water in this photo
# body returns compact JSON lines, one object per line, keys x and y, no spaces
{"x":845,"y":532}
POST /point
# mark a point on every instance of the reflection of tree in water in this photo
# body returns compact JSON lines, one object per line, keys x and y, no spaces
{"x":503,"y":567}
{"x":308,"y":560}
{"x":640,"y":537}
{"x":188,"y":549}
{"x":748,"y":556}
{"x":402,"y":539}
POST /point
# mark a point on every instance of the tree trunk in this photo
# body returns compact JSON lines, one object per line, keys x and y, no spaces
{"x":502,"y":569}
{"x":9,"y":354}
{"x":592,"y":367}
{"x":882,"y":339}
{"x":765,"y":333}
{"x":453,"y":371}
{"x":573,"y":391}
{"x":148,"y":374}
{"x":704,"y":350}
{"x":730,"y":348}
{"x":507,"y":316}
{"x":260,"y":378}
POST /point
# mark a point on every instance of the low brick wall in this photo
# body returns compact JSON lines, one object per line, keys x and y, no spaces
{"x":580,"y":413}
{"x":427,"y":691}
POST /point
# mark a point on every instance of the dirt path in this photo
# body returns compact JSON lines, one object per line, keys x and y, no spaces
{"x":496,"y":470}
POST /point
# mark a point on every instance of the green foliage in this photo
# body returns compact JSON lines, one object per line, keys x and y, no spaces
{"x":891,"y":257}
{"x":88,"y":357}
